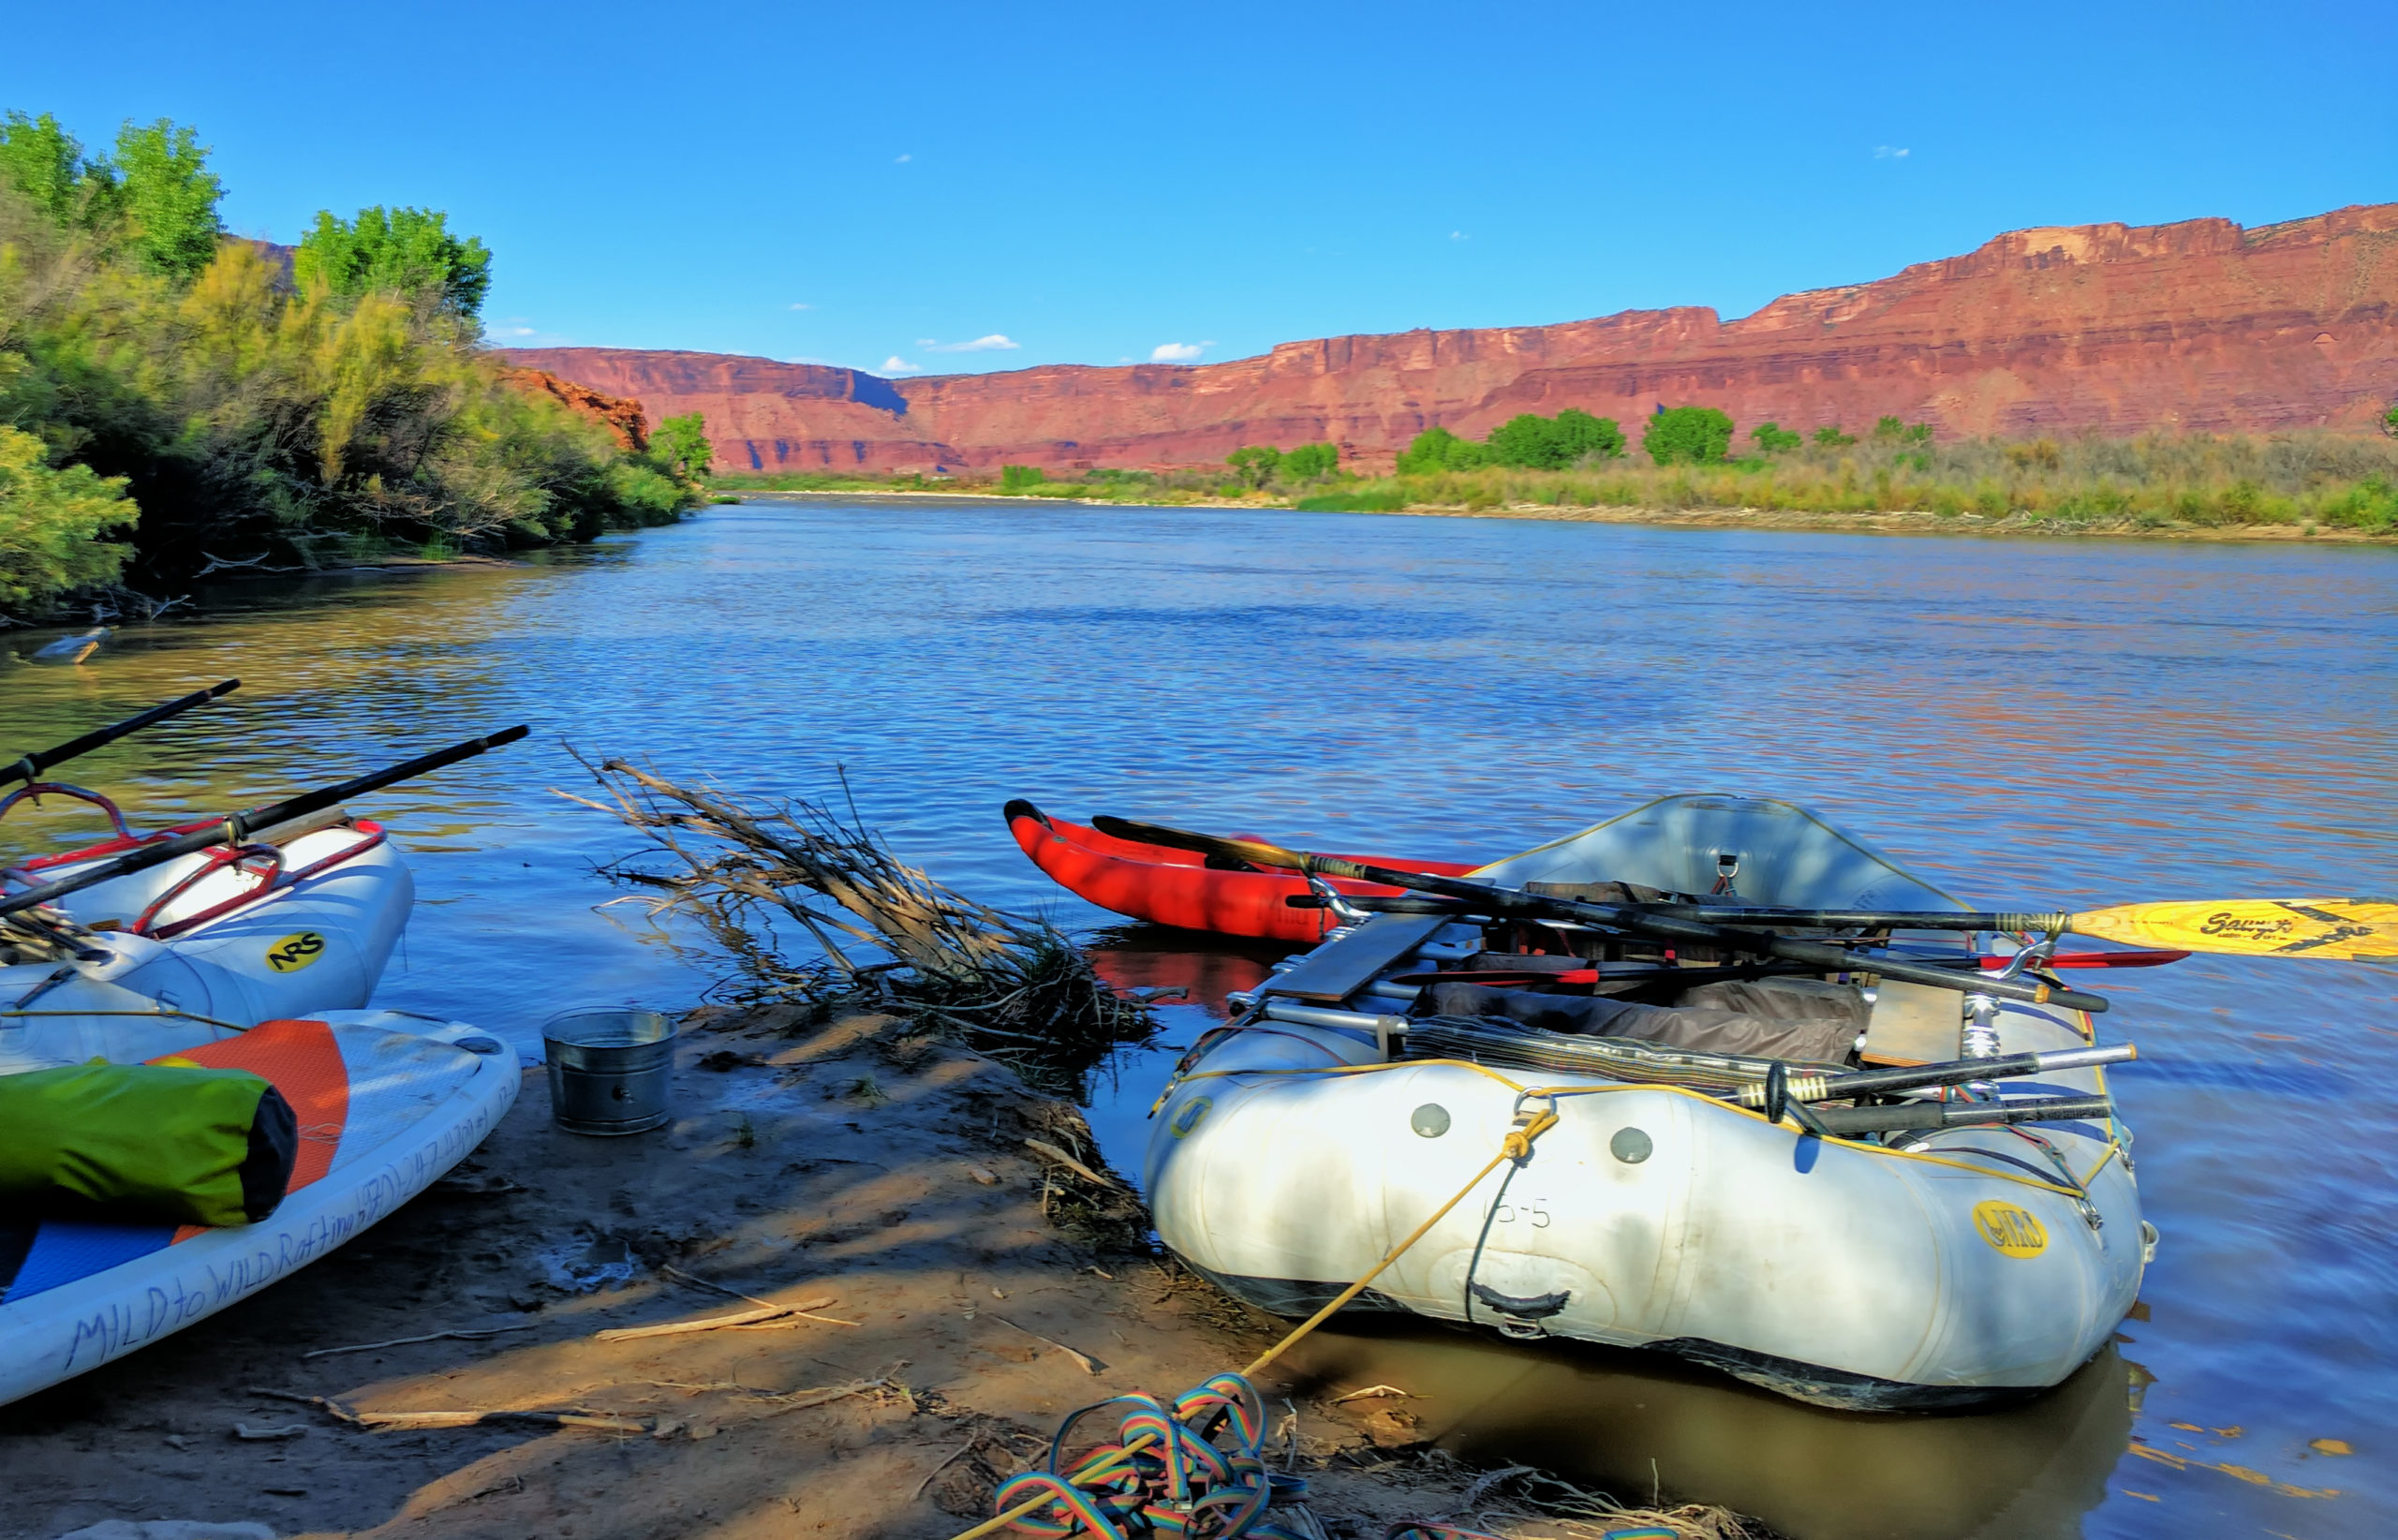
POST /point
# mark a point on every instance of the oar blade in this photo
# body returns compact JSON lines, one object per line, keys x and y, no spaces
{"x":1255,"y":852}
{"x":2347,"y":930}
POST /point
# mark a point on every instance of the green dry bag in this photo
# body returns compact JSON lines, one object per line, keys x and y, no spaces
{"x":145,"y":1144}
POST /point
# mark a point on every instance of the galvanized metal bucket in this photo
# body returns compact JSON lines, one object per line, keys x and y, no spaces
{"x":609,"y":1069}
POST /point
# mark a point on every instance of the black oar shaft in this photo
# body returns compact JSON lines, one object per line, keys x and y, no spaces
{"x":1370,"y":904}
{"x":1931,"y":1114}
{"x":1643,"y":920}
{"x":30,"y":768}
{"x":239,"y":826}
{"x":1863,"y":919}
{"x":1955,"y":1072}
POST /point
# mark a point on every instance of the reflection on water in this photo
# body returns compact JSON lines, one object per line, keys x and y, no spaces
{"x":2068,"y":723}
{"x":1642,"y":1424}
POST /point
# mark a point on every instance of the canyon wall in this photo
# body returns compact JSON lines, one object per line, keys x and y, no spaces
{"x":2106,"y":328}
{"x":623,"y":418}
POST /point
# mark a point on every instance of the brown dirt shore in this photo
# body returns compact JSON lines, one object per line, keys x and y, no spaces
{"x":984,"y":1291}
{"x":1909,"y":522}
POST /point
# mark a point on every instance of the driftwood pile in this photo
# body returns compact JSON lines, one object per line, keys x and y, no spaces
{"x":815,"y":909}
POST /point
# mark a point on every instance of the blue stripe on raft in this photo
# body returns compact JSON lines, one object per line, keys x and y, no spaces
{"x":63,"y":1252}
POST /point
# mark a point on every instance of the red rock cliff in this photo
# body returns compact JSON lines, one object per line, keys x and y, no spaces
{"x":2199,"y":325}
{"x":622,"y":418}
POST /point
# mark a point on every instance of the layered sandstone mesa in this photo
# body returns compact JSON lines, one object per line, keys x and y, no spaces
{"x":2199,"y":325}
{"x":621,"y":417}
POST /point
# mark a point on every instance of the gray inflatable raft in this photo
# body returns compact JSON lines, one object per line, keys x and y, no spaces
{"x":1917,"y":1268}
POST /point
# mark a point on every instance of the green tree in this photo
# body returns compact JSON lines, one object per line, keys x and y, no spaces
{"x":1020,"y":478}
{"x":681,"y":445}
{"x":1527,"y":439}
{"x":1687,"y":435}
{"x":1426,"y":451}
{"x":1310,"y":460}
{"x":44,"y":163}
{"x":1253,"y":465}
{"x":1581,"y":437}
{"x":52,"y":522}
{"x":409,"y":252}
{"x":1772,"y":439}
{"x":1554,"y":443}
{"x":2390,"y":422}
{"x":167,"y":197}
{"x":1831,"y":438}
{"x":1438,"y":448}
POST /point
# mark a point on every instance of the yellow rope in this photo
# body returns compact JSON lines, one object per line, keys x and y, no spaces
{"x":1517,"y":1145}
{"x":1860,"y":1146}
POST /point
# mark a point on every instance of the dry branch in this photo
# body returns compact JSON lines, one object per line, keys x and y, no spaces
{"x":739,"y":1318}
{"x":889,"y":935}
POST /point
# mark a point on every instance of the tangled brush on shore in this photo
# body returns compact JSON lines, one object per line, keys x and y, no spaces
{"x":891,"y":936}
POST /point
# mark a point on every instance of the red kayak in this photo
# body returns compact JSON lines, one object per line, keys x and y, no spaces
{"x":1171,"y":887}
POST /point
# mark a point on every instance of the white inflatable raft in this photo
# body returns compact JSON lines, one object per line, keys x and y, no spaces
{"x":1295,"y":1150}
{"x":293,"y":924}
{"x":387,"y":1103}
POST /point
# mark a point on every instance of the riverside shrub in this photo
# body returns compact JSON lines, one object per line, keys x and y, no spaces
{"x":2335,"y":481}
{"x":1310,"y":462}
{"x":53,"y":522}
{"x":1691,"y":436}
{"x":1254,"y":464}
{"x":173,"y":375}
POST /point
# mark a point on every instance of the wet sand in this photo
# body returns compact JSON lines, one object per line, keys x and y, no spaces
{"x":879,"y":1176}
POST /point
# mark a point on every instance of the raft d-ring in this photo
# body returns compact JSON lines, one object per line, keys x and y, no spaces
{"x":1534,"y":1117}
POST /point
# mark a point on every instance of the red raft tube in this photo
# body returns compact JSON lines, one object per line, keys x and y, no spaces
{"x":1171,"y":887}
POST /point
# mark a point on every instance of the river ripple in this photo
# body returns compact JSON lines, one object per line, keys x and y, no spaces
{"x":2051,"y":724}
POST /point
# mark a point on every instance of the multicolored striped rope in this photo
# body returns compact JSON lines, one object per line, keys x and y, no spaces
{"x":1188,"y":1469}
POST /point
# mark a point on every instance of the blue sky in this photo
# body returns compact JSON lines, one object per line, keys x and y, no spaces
{"x":943,"y":187}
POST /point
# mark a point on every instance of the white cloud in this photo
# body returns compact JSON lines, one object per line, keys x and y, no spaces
{"x":800,"y":306}
{"x":1460,"y":235}
{"x":995,"y":343}
{"x":518,"y":331}
{"x":895,"y":365}
{"x":1883,"y":152}
{"x":903,"y":160}
{"x":1179,"y":352}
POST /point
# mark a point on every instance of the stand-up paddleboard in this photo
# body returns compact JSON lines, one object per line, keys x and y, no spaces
{"x":387,"y":1103}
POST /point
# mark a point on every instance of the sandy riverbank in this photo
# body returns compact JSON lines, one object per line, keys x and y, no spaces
{"x":1914,"y":521}
{"x":857,"y":1163}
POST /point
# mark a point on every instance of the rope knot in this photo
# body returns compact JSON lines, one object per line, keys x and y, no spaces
{"x":1529,"y":1124}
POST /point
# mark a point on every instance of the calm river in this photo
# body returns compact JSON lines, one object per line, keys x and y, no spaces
{"x":2044,"y":725}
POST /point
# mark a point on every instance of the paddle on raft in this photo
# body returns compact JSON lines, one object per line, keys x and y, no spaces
{"x":2347,"y":930}
{"x":1636,"y":919}
{"x":30,"y":768}
{"x":236,"y":827}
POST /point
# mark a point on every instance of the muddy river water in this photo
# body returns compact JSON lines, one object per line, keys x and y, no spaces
{"x":2049,"y":725}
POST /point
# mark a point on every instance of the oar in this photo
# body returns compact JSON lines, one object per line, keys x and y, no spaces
{"x":237,"y":827}
{"x":2348,"y":930}
{"x":1637,"y":919}
{"x":30,"y":768}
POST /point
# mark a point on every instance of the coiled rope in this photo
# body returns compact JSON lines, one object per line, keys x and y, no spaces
{"x":1133,"y":1488}
{"x":1190,"y":1468}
